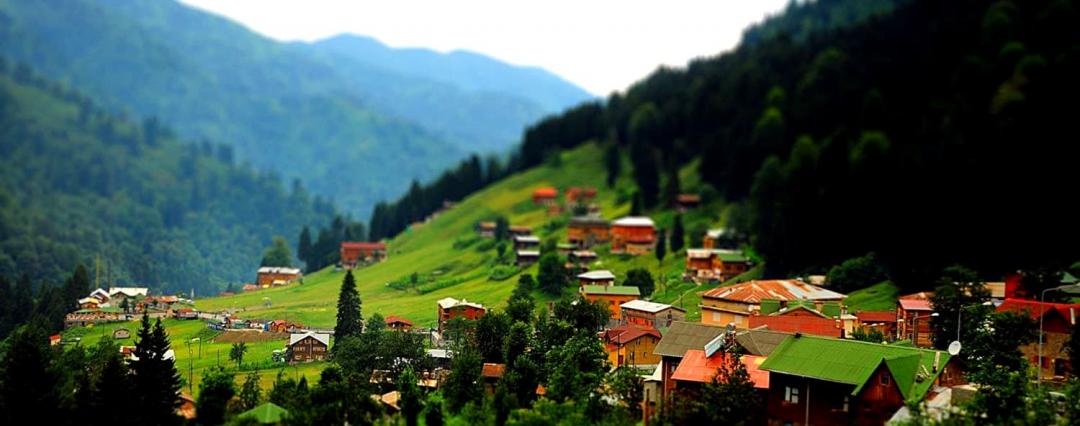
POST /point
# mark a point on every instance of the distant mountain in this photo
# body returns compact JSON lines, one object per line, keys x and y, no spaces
{"x":349,"y":129}
{"x":79,"y":185}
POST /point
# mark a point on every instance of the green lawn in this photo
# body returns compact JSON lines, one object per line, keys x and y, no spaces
{"x":878,"y":297}
{"x":213,"y":353}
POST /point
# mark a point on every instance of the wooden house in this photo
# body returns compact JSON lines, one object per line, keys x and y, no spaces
{"x":913,"y":314}
{"x":267,"y":275}
{"x":545,"y":196}
{"x":720,"y":239}
{"x":883,"y":321}
{"x":526,"y":257}
{"x":587,"y":231}
{"x":450,"y":308}
{"x":825,"y":381}
{"x":611,"y":296}
{"x":633,"y":235}
{"x":526,"y":242}
{"x":577,"y":195}
{"x":715,"y":264}
{"x":491,"y":374}
{"x":650,"y":314}
{"x":396,"y":323}
{"x":519,"y":231}
{"x":581,"y":258}
{"x":803,"y":318}
{"x":1058,"y":320}
{"x":681,"y":337}
{"x":735,"y":304}
{"x":685,"y":202}
{"x":700,"y":366}
{"x":354,"y":254}
{"x":631,"y":345}
{"x":486,"y":229}
{"x":89,"y":303}
{"x":307,"y":347}
{"x":601,"y":277}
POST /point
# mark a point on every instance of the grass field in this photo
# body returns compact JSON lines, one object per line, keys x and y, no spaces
{"x":452,"y":261}
{"x":213,"y":353}
{"x":878,"y":297}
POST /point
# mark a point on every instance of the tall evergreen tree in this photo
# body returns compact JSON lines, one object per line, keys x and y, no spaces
{"x":303,"y":248}
{"x":110,"y":391}
{"x":75,"y":287}
{"x":552,"y":274}
{"x":661,"y":245}
{"x":678,"y":234}
{"x":30,"y":388}
{"x":156,"y":381}
{"x":411,"y":402}
{"x":349,"y":317}
{"x":612,"y":163}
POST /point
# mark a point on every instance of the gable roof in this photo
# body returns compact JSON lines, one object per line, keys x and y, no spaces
{"x":854,"y":363}
{"x":396,"y":319}
{"x":278,"y":270}
{"x":546,"y":192}
{"x":494,"y":371}
{"x":450,"y":302}
{"x":696,"y":367}
{"x":1035,"y":309}
{"x":617,"y":290}
{"x":646,"y":306}
{"x":634,"y":221}
{"x":915,"y":304}
{"x":683,"y":336}
{"x":601,"y":274}
{"x":363,"y":245}
{"x":753,"y":292}
{"x":129,"y":291}
{"x":817,"y":325}
{"x":760,"y":341}
{"x":323,"y":338}
{"x":876,"y":316}
{"x":627,"y":333}
{"x":268,"y":413}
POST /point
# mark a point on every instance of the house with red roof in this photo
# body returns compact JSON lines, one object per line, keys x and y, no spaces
{"x":545,"y":196}
{"x":1058,"y":319}
{"x":631,"y":345}
{"x":883,"y":321}
{"x":913,"y":319}
{"x":801,"y":319}
{"x":396,"y":323}
{"x":735,"y":304}
{"x":635,"y":235}
{"x":491,"y":374}
{"x":699,"y":367}
{"x":357,"y":253}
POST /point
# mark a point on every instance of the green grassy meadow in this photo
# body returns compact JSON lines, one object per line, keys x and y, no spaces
{"x":878,"y":297}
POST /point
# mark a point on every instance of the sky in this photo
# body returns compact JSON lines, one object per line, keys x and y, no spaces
{"x":600,"y":45}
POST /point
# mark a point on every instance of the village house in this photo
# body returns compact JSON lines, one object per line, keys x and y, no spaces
{"x":486,"y":229}
{"x":587,"y":231}
{"x":685,"y":202}
{"x":631,"y":345}
{"x":396,"y":323}
{"x":801,"y":317}
{"x":272,"y":275}
{"x":715,"y":264}
{"x":1058,"y":320}
{"x":699,"y":367}
{"x":824,"y":381}
{"x":249,"y":287}
{"x":681,"y":337}
{"x":307,"y":347}
{"x":576,"y":195}
{"x":883,"y":321}
{"x":525,"y":258}
{"x":599,"y":277}
{"x":101,"y":295}
{"x":545,"y":196}
{"x":89,"y":303}
{"x":722,"y":238}
{"x":117,"y":295}
{"x":354,"y":254}
{"x":913,"y":313}
{"x":633,"y":235}
{"x":450,"y":308}
{"x":519,"y":231}
{"x":186,"y":314}
{"x":564,"y":249}
{"x":526,"y":242}
{"x":735,"y":304}
{"x":611,"y":296}
{"x":581,"y":258}
{"x":491,"y":374}
{"x":650,"y":314}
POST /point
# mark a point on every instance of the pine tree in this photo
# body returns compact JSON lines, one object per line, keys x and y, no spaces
{"x":215,"y":391}
{"x":552,"y":274}
{"x":156,"y":381}
{"x":613,"y":163}
{"x":111,"y":391}
{"x":349,"y":318}
{"x":30,"y":387}
{"x":411,"y":403}
{"x":661,"y":245}
{"x":678,"y":234}
{"x":303,"y":248}
{"x":75,"y":287}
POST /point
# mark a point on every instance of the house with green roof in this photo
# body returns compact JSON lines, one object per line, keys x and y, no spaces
{"x":826,"y":381}
{"x":266,"y":414}
{"x":612,"y":296}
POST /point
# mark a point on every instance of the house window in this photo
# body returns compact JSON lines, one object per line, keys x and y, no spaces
{"x":791,"y":394}
{"x":885,"y":379}
{"x":847,"y":402}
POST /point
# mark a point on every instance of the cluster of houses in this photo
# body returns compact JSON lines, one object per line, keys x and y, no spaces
{"x":119,"y":303}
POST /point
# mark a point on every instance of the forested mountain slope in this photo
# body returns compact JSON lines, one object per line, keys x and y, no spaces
{"x":352,"y":131}
{"x":131,"y":201}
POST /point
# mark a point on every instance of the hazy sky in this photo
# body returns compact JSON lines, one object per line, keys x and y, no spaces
{"x":600,"y":45}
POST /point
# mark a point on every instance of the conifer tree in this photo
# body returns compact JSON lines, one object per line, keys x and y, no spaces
{"x":156,"y":381}
{"x":678,"y":234}
{"x":349,"y":318}
{"x":411,"y":403}
{"x":304,"y":249}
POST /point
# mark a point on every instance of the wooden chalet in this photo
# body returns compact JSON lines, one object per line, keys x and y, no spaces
{"x":396,"y":323}
{"x":268,"y":276}
{"x":631,"y":345}
{"x":715,"y":264}
{"x":450,"y":308}
{"x":525,"y":258}
{"x":307,"y":347}
{"x":354,"y":254}
{"x":587,"y":231}
{"x":612,"y":296}
{"x":545,"y":196}
{"x":598,"y":277}
{"x":735,"y":304}
{"x":913,"y":313}
{"x":650,"y":314}
{"x":633,"y":235}
{"x":1058,"y":320}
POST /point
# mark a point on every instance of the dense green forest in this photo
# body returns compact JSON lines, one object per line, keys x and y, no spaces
{"x":930,"y":135}
{"x":129,"y":200}
{"x":351,"y":129}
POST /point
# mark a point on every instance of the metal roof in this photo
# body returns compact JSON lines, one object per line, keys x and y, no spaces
{"x":634,"y":221}
{"x":646,"y":306}
{"x":601,"y":274}
{"x":619,"y":290}
{"x":324,"y":338}
{"x":683,"y":336}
